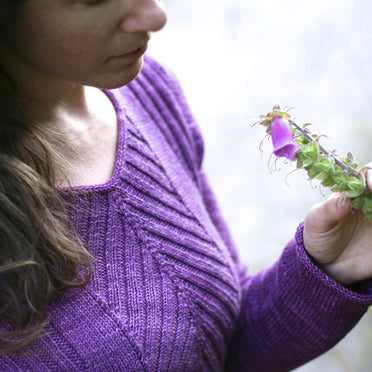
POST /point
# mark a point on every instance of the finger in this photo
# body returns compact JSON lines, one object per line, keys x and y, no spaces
{"x":367,"y":171}
{"x":336,"y":207}
{"x":368,"y":176}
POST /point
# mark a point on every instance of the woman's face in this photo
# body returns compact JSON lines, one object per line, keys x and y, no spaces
{"x":89,"y":42}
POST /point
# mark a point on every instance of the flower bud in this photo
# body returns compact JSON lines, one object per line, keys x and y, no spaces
{"x":282,"y":137}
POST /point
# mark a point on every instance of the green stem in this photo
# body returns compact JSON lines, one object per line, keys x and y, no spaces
{"x":306,"y":132}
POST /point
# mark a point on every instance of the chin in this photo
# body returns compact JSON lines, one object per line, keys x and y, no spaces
{"x":121,"y":78}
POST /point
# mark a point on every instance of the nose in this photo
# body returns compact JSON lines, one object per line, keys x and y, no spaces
{"x":144,"y":16}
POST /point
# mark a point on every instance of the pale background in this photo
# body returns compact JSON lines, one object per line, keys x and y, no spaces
{"x":235,"y":60}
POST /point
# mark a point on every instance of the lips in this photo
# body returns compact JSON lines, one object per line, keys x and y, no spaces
{"x":136,"y":53}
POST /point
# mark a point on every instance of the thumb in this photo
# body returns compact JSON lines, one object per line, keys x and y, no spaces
{"x":325,"y":215}
{"x":323,"y":223}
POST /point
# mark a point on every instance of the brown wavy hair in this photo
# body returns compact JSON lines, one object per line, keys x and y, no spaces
{"x":40,"y":255}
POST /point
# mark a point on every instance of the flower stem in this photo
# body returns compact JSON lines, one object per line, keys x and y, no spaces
{"x":307,"y":133}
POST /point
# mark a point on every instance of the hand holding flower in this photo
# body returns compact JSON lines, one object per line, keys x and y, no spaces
{"x":339,"y":238}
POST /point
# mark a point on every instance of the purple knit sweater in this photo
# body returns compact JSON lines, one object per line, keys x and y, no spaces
{"x":168,"y":292}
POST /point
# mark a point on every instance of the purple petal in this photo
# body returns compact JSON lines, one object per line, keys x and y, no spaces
{"x":282,"y":137}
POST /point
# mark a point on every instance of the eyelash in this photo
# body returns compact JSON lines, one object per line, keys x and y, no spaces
{"x":94,"y":2}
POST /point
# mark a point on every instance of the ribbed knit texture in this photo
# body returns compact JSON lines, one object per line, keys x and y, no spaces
{"x":168,"y":292}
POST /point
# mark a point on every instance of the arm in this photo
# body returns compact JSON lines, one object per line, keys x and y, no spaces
{"x":292,"y":311}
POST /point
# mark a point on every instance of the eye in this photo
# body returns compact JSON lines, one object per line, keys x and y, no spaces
{"x":94,"y":2}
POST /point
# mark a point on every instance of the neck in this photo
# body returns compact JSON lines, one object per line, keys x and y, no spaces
{"x":84,"y":136}
{"x":42,"y":97}
{"x":52,"y":106}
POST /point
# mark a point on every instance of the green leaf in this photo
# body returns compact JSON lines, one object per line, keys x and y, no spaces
{"x":310,"y":150}
{"x":312,"y":170}
{"x":354,"y":193}
{"x":356,"y":183}
{"x":364,"y":202}
{"x":325,"y":166}
{"x":328,"y":181}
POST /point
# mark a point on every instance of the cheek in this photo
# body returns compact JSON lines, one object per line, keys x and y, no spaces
{"x":43,"y":39}
{"x":58,"y":48}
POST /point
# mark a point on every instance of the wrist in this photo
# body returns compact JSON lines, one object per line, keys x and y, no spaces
{"x":333,"y":270}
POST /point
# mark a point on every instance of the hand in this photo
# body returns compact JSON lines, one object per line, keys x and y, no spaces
{"x":339,"y":239}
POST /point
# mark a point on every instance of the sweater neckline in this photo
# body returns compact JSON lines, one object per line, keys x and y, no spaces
{"x":76,"y":189}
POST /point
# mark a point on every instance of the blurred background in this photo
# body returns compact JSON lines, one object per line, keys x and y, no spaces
{"x":238,"y":58}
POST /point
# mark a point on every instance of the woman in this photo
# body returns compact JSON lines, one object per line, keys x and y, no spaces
{"x":101,"y":157}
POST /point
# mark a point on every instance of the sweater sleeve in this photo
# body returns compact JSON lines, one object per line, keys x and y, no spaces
{"x":291,"y":313}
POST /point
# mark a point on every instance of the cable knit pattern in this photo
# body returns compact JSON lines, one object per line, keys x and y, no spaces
{"x":168,"y":292}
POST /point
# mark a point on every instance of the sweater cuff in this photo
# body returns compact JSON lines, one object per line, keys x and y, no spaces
{"x":359,"y":295}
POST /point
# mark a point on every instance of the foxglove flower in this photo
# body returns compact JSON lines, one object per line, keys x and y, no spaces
{"x":282,"y":137}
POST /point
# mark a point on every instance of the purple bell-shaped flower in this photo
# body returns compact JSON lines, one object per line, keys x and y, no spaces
{"x":282,"y":137}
